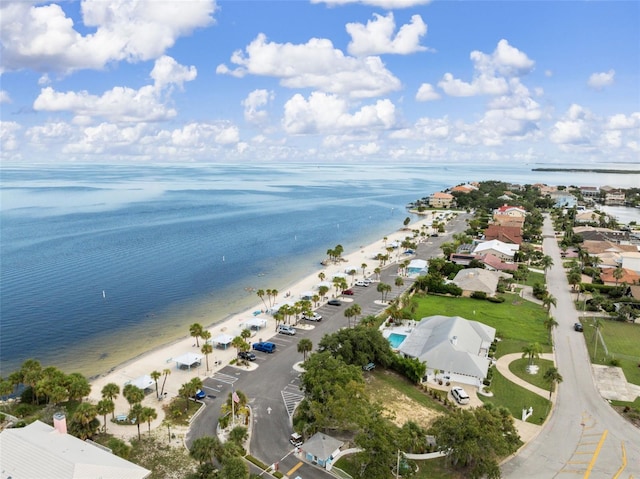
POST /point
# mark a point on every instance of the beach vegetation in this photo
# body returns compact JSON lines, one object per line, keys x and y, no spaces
{"x":136,"y":416}
{"x":188,"y":390}
{"x":155,"y":375}
{"x":195,"y":330}
{"x":84,"y":423}
{"x":165,"y":372}
{"x":163,"y":460}
{"x":133,"y":394}
{"x":305,"y":346}
{"x":474,"y":440}
{"x":104,"y":407}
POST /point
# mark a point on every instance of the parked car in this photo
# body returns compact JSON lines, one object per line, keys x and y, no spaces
{"x":311,"y":316}
{"x":200,"y":394}
{"x":286,"y":329}
{"x":362,"y":283}
{"x":460,"y":395}
{"x":265,"y":347}
{"x":368,"y":280}
{"x":248,"y":355}
{"x":348,"y":292}
{"x":334,"y":302}
{"x":578,"y":327}
{"x":296,"y":439}
{"x":368,"y":367}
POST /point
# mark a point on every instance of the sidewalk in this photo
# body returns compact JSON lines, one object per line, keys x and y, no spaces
{"x":503,"y":366}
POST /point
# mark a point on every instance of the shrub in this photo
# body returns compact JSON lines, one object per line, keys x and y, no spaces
{"x":479,"y":295}
{"x":614,"y":362}
{"x":495,"y":299}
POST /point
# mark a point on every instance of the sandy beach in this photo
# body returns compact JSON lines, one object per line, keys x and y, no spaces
{"x":163,"y":357}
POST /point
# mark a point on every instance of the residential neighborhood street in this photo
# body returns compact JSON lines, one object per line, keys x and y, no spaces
{"x":584,"y":437}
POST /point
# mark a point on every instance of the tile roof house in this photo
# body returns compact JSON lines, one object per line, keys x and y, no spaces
{"x":507,"y":234}
{"x":453,"y":345}
{"x":628,"y":276}
{"x":440,"y":200}
{"x":471,"y":280}
{"x":493,"y":263}
{"x":41,"y":451}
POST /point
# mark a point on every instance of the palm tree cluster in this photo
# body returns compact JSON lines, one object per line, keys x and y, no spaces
{"x":352,"y":311}
{"x":335,"y":254}
{"x":271,"y":294}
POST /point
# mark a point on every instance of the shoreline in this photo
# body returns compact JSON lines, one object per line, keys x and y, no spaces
{"x":161,"y":357}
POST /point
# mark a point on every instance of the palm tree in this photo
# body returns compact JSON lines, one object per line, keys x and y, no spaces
{"x":133,"y":394}
{"x":356,"y":310}
{"x":548,"y":301}
{"x":260,"y":294}
{"x":574,"y":279}
{"x":84,"y":421}
{"x":399,"y":282}
{"x":207,"y":349}
{"x":136,"y":414}
{"x":546,"y":262}
{"x":348,"y":313}
{"x":155,"y":375}
{"x":323,"y":290}
{"x":202,"y":449}
{"x":549,"y":324}
{"x":196,"y":330}
{"x":104,"y":407}
{"x":148,"y":415}
{"x":377,"y":272}
{"x":383,"y":289}
{"x":553,"y":377}
{"x":304,"y":346}
{"x":618,"y":273}
{"x":110,"y":391}
{"x":238,"y":342}
{"x":364,"y":268}
{"x":165,"y":372}
{"x":531,"y":351}
{"x":321,"y":275}
{"x":316,"y":299}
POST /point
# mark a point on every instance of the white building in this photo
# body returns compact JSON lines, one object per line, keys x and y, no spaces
{"x":455,"y":346}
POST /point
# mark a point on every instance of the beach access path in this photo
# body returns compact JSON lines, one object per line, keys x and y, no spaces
{"x":162,"y":358}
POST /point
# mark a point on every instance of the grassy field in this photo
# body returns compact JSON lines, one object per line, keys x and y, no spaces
{"x":518,"y":367}
{"x":515,"y":398}
{"x":623,"y":343}
{"x":534,"y":277}
{"x":517,"y":322}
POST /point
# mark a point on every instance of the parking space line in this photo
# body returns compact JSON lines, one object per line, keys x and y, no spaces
{"x":596,"y":454}
{"x":294,"y":468}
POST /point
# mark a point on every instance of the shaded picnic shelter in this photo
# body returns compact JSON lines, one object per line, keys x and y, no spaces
{"x":188,"y":360}
{"x":255,"y":323}
{"x":143,"y":382}
{"x":222,"y":340}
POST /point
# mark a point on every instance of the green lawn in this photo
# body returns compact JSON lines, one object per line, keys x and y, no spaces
{"x":517,"y":322}
{"x":518,"y":367}
{"x":623,"y":343}
{"x":534,"y":277}
{"x":515,"y":398}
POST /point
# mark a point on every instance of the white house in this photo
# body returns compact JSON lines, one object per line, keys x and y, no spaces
{"x":630,"y":260}
{"x":456,"y":346}
{"x":504,"y":251}
{"x":39,"y":450}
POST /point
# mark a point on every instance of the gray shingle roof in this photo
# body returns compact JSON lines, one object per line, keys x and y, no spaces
{"x":321,"y":446}
{"x":450,"y":344}
{"x":39,"y":451}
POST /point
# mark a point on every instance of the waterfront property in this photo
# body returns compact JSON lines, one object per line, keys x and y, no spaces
{"x":454,"y":345}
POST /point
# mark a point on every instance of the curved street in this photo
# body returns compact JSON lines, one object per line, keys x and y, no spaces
{"x":584,"y":437}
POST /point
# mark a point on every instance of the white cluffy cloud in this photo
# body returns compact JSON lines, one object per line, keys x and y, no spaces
{"x":253,"y":104}
{"x":600,"y":80}
{"x":490,"y":72}
{"x":44,"y":39}
{"x":376,"y":37}
{"x":323,"y":113}
{"x":426,"y":92}
{"x":121,"y":103}
{"x":330,"y":71}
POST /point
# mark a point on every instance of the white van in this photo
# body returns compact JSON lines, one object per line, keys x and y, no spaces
{"x":460,"y":395}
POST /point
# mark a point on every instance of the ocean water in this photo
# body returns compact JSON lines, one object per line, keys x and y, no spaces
{"x":102,"y":263}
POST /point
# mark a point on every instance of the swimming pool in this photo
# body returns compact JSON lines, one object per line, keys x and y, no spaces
{"x":396,"y":339}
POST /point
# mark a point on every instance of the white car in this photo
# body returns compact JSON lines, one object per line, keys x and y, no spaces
{"x":311,"y":316}
{"x":286,"y":329}
{"x":362,"y":283}
{"x":460,"y":395}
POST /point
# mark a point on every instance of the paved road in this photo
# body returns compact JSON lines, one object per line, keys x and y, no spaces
{"x":274,"y":386}
{"x":584,"y":437}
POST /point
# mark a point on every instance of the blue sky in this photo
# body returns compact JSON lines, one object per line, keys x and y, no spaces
{"x":180,"y":81}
